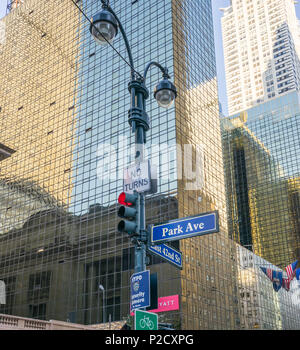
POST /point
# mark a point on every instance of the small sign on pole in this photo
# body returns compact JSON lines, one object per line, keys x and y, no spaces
{"x":145,"y":321}
{"x":140,"y":290}
{"x":167,"y":253}
{"x":137,"y":178}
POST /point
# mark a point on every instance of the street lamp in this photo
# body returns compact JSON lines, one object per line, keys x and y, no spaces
{"x":103,"y":304}
{"x":165,"y":93}
{"x":104,"y":27}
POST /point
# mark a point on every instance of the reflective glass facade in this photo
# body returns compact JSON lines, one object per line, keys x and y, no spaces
{"x":260,"y":306}
{"x":65,"y":140}
{"x":261,"y":149}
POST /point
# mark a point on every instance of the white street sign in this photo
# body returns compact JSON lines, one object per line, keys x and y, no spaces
{"x":137,"y":178}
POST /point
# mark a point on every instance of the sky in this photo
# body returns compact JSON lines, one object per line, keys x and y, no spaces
{"x":216,"y":5}
{"x":2,"y":8}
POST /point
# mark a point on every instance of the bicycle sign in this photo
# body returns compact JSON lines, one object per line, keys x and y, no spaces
{"x":145,"y":321}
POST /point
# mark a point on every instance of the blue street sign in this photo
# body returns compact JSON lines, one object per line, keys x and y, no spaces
{"x":140,"y":290}
{"x":184,"y":228}
{"x":170,"y":254}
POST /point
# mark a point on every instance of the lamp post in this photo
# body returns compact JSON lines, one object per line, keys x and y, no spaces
{"x":104,"y":27}
{"x":103,"y":303}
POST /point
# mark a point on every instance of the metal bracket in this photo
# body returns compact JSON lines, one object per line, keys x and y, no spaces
{"x":137,"y":117}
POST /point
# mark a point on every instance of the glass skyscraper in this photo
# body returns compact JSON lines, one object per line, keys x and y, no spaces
{"x":261,"y":51}
{"x":65,"y":140}
{"x":261,"y":155}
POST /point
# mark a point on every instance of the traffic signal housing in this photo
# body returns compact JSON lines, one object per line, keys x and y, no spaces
{"x":129,"y":212}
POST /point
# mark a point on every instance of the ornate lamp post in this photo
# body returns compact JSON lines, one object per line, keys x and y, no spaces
{"x":104,"y":27}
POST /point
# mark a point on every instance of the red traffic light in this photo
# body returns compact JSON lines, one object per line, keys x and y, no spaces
{"x":127,"y":199}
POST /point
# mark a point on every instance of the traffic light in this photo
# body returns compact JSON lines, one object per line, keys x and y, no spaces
{"x":129,"y":211}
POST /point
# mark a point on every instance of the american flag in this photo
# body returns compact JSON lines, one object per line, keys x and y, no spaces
{"x":274,"y":276}
{"x":270,"y":273}
{"x":290,"y":270}
{"x":277,"y":280}
{"x":286,"y":284}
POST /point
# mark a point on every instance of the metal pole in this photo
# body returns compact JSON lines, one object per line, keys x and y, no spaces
{"x":139,"y":95}
{"x":140,"y":247}
{"x":139,"y":123}
{"x":103,"y":303}
{"x":104,"y":313}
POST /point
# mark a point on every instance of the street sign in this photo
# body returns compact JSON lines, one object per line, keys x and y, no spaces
{"x":186,"y":227}
{"x":140,"y":290}
{"x":145,"y":321}
{"x":169,"y":254}
{"x":137,"y":178}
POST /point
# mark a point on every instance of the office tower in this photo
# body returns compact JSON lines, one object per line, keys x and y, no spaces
{"x":262,"y":307}
{"x":261,"y":156}
{"x":260,"y":139}
{"x":64,"y":137}
{"x":65,"y":98}
{"x":261,"y":51}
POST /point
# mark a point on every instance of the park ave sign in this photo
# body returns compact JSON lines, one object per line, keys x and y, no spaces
{"x":184,"y":228}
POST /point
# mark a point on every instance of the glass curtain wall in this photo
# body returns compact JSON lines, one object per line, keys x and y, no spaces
{"x":64,"y":141}
{"x":261,"y":152}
